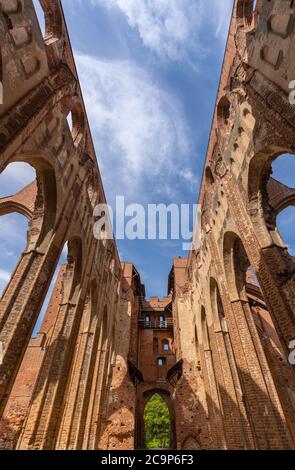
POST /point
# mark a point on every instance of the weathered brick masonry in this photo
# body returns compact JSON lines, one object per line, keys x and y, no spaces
{"x":216,"y":348}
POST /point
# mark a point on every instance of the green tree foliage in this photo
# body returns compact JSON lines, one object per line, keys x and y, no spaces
{"x":157,"y":423}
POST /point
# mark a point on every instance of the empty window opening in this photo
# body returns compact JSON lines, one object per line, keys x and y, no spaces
{"x":161,"y":361}
{"x":157,"y":424}
{"x":166,"y":346}
{"x":14,"y":226}
{"x":283,"y":171}
{"x":51,"y":299}
{"x":285,"y":225}
{"x":40,"y":16}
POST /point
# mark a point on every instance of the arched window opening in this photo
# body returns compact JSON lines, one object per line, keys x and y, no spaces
{"x":281,"y":191}
{"x":17,"y":198}
{"x":271,"y":193}
{"x":53,"y":297}
{"x":209,"y":176}
{"x":283,"y":169}
{"x":157,"y":424}
{"x":161,"y":369}
{"x":285,"y":225}
{"x":217,"y":307}
{"x":246,"y":10}
{"x":236,"y":265}
{"x":76,"y":120}
{"x":30,"y":189}
{"x":70,"y":121}
{"x":40,"y":15}
{"x":161,"y":361}
{"x":223,"y":110}
{"x":244,"y":285}
{"x":241,"y":275}
{"x":166,"y":346}
{"x":49,"y":17}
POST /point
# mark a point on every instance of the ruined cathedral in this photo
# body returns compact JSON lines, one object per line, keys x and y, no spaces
{"x":217,"y":348}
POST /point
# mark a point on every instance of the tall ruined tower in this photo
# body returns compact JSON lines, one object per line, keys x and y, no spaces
{"x":216,"y":349}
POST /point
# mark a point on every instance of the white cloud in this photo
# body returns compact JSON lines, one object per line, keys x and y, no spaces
{"x":13,"y":228}
{"x":173,"y":28}
{"x":16,"y":176}
{"x":139,"y":129}
{"x":4,"y":275}
{"x":219,"y":14}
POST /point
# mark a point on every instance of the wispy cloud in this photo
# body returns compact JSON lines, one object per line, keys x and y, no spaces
{"x":173,"y":28}
{"x":16,"y":176}
{"x":219,"y":14}
{"x":13,"y":232}
{"x":139,"y":129}
{"x":4,"y":275}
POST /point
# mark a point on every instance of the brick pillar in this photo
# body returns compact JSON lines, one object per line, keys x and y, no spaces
{"x":23,"y":299}
{"x":213,"y":399}
{"x":19,"y":309}
{"x":190,"y":415}
{"x":102,"y":356}
{"x":253,"y":372}
{"x":77,"y":400}
{"x":40,"y":430}
{"x":278,"y":365}
{"x":264,"y":409}
{"x":236,"y":427}
{"x":266,"y":263}
{"x":21,"y":395}
{"x":118,"y":426}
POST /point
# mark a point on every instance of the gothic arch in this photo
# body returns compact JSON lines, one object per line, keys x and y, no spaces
{"x":37,"y":201}
{"x":72,"y":278}
{"x":236,"y":263}
{"x":142,"y":401}
{"x":53,"y":20}
{"x":245,"y":10}
{"x":267,"y":197}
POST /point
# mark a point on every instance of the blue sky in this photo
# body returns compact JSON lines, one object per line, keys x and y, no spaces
{"x":149,"y":72}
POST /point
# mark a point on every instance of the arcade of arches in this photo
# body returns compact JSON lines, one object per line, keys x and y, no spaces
{"x":214,"y":353}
